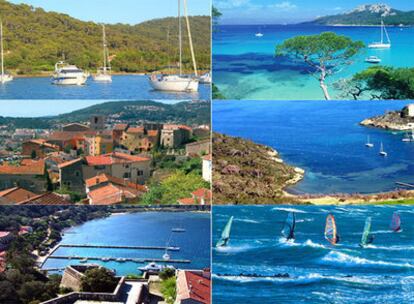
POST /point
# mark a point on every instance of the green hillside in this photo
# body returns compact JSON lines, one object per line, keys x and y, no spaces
{"x":368,"y":15}
{"x":36,"y":39}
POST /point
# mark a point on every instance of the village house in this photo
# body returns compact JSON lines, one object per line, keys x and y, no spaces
{"x":107,"y":190}
{"x":38,"y":148}
{"x":99,"y":144}
{"x":69,"y":139}
{"x":15,"y":195}
{"x":198,"y":148}
{"x":97,"y":123}
{"x":139,"y":139}
{"x":130,"y":167}
{"x":202,"y":131}
{"x":71,"y":175}
{"x":24,"y":134}
{"x":193,"y":287}
{"x":174,"y":136}
{"x":28,"y":174}
{"x":207,"y":168}
{"x":75,"y":127}
{"x":200,"y":196}
{"x":117,"y":132}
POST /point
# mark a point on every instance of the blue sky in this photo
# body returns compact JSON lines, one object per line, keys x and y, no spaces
{"x":291,"y":11}
{"x":114,"y":11}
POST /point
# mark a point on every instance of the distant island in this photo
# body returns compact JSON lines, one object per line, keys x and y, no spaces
{"x":368,"y":14}
{"x":394,"y":120}
{"x":36,"y":39}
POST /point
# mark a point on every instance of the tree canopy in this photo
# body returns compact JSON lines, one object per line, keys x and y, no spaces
{"x":98,"y":280}
{"x":326,"y":54}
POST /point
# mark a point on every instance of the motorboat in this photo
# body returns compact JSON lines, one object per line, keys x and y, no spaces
{"x":104,"y":73}
{"x":166,"y":256}
{"x":178,"y":230}
{"x":259,"y":34}
{"x":66,"y":74}
{"x":372,"y":59}
{"x":154,"y":267}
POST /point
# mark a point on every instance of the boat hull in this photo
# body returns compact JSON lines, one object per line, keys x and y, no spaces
{"x":103,"y":78}
{"x":78,"y":80}
{"x":379,"y":46}
{"x":176,"y":84}
{"x":6,"y":78}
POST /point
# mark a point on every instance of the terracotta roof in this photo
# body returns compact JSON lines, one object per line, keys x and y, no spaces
{"x":68,"y":163}
{"x":43,"y":142}
{"x":120,"y":127}
{"x":193,"y":285}
{"x":152,"y":132}
{"x":48,"y":198}
{"x":175,"y":127}
{"x":76,"y":124}
{"x":16,"y":194}
{"x":135,"y":130}
{"x":202,"y":192}
{"x":103,"y":178}
{"x":68,"y":135}
{"x":197,"y":197}
{"x":187,"y":201}
{"x":26,"y":167}
{"x":113,"y":158}
{"x":106,"y":195}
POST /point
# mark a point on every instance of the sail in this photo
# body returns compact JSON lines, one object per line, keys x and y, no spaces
{"x":225,"y":235}
{"x":331,"y":233}
{"x":289,"y":226}
{"x":365,"y":239}
{"x":396,"y":222}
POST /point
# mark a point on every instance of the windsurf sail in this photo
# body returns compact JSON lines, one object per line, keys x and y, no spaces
{"x":366,"y":237}
{"x":396,"y":222}
{"x":331,"y":233}
{"x":288,"y":230}
{"x":225,"y":234}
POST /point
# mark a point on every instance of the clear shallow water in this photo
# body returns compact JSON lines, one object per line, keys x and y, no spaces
{"x":319,"y":272}
{"x":245,"y":66}
{"x":139,"y":229}
{"x":122,"y":87}
{"x":325,"y":139}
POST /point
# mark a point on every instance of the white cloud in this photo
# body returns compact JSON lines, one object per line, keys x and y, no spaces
{"x":338,"y":8}
{"x":228,"y":4}
{"x":284,"y":6}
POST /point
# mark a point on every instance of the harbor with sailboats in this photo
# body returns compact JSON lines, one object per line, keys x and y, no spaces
{"x":313,"y":253}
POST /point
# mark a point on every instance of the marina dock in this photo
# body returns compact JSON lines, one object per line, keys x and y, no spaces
{"x":107,"y":259}
{"x":170,"y":248}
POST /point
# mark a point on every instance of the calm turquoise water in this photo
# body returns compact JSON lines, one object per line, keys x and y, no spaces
{"x":122,"y":87}
{"x":319,"y":272}
{"x":140,"y":229}
{"x":325,"y":139}
{"x":245,"y":67}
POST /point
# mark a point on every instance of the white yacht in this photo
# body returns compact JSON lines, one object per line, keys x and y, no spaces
{"x":381,"y":44}
{"x":382,"y":152}
{"x":180,"y":82}
{"x":66,"y":74}
{"x":369,"y":144}
{"x":4,"y":77}
{"x":166,"y":256}
{"x":104,"y":73}
{"x":408,"y":137}
{"x":205,"y":78}
{"x":155,"y":267}
{"x":372,"y":59}
{"x":259,"y":34}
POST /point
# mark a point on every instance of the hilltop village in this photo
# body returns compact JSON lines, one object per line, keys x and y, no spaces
{"x":104,"y":161}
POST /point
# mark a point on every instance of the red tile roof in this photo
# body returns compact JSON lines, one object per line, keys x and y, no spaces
{"x":135,"y":130}
{"x":107,"y":195}
{"x":104,"y":178}
{"x":43,"y":142}
{"x":16,"y":194}
{"x":120,"y":127}
{"x":68,"y":163}
{"x":199,"y":196}
{"x":68,"y":135}
{"x":26,"y":167}
{"x":114,"y":158}
{"x":153,"y":133}
{"x":48,"y":198}
{"x":175,"y":127}
{"x":193,"y":285}
{"x":202,"y":192}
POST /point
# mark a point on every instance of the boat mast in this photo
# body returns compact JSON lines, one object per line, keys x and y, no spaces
{"x":382,"y":33}
{"x":104,"y":47}
{"x":2,"y":55}
{"x":180,"y":36}
{"x":189,"y":37}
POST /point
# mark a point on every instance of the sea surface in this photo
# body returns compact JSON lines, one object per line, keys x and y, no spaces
{"x":125,"y":87}
{"x":139,"y":229}
{"x":245,"y":66}
{"x":325,"y":139}
{"x":318,"y":272}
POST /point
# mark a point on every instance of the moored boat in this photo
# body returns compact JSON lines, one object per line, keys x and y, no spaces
{"x":66,"y":74}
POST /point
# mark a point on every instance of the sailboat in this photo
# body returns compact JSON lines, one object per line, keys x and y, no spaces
{"x":366,"y":238}
{"x":382,"y":152}
{"x":225,"y":234}
{"x":395,"y":222}
{"x":331,"y":233}
{"x":288,"y":230}
{"x":103,"y":74}
{"x":4,"y":77}
{"x":180,"y":82}
{"x":381,"y":44}
{"x":368,"y":144}
{"x":408,"y":137}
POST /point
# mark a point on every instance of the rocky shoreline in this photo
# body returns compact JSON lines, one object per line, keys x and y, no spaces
{"x":245,"y":172}
{"x":395,"y":120}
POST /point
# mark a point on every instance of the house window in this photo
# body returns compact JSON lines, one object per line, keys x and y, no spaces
{"x":99,"y":167}
{"x":127,"y":175}
{"x":77,"y":173}
{"x":140,"y":172}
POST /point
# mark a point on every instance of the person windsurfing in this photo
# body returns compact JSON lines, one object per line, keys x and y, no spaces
{"x":225,"y":235}
{"x":331,"y":233}
{"x":367,"y":238}
{"x":396,"y":222}
{"x":288,"y":230}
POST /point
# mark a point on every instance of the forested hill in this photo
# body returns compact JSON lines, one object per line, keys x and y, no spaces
{"x":36,"y":39}
{"x":368,"y":14}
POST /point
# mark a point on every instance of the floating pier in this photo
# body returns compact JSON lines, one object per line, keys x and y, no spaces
{"x":405,"y":184}
{"x":170,"y":248}
{"x":107,"y":259}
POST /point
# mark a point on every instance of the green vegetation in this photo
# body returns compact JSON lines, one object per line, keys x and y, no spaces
{"x":366,"y":17}
{"x":216,"y":94}
{"x":380,"y":82}
{"x":167,"y":273}
{"x":99,"y":280}
{"x":168,"y":289}
{"x":325,"y":54}
{"x":35,"y":40}
{"x":216,"y":14}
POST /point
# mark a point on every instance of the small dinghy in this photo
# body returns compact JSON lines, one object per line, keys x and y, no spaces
{"x":373,"y":59}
